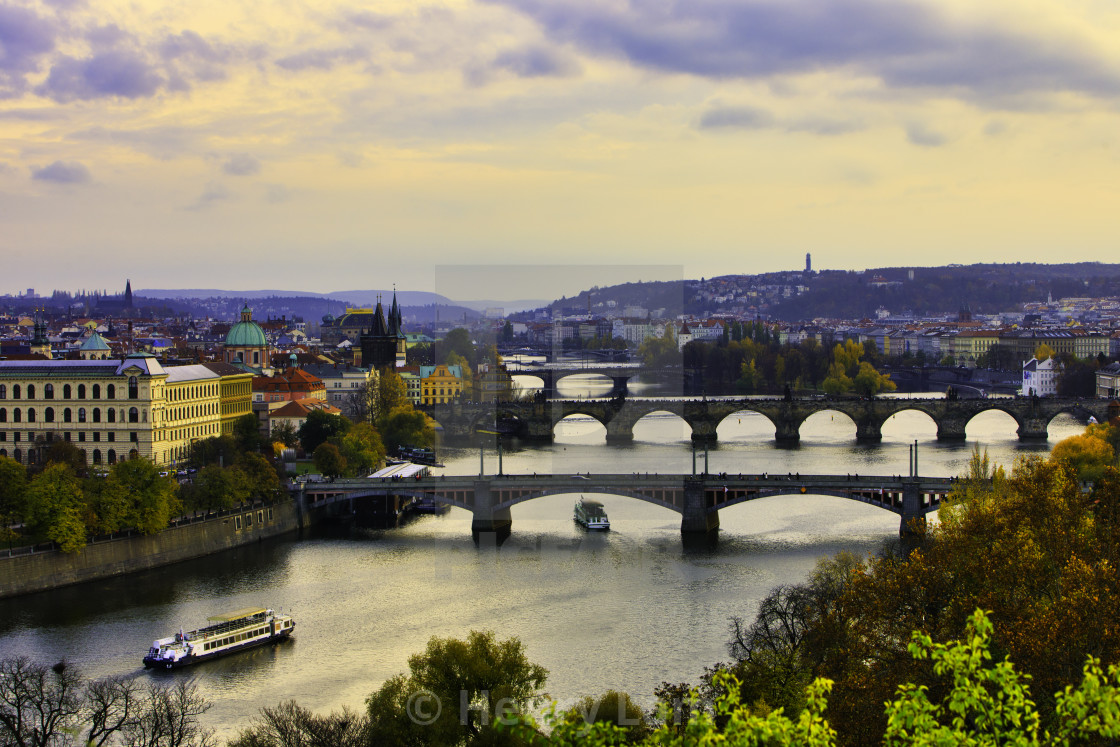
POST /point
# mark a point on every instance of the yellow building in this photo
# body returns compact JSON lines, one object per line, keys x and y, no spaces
{"x":440,"y":384}
{"x":112,"y":409}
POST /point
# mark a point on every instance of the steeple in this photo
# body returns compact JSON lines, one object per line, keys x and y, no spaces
{"x":128,"y":294}
{"x":395,"y":321}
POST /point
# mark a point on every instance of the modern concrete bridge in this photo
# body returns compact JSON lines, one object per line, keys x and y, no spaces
{"x":537,"y":420}
{"x":697,"y":498}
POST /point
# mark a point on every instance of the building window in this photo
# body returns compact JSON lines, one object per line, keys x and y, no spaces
{"x":81,"y":414}
{"x":66,"y":391}
{"x":31,"y":391}
{"x":81,"y":436}
{"x":67,"y":435}
{"x":112,"y":456}
{"x":96,"y":436}
{"x":67,"y":415}
{"x":48,"y":391}
{"x":17,"y":437}
{"x":49,"y":415}
{"x":112,"y":436}
{"x":97,"y":391}
{"x":81,"y":391}
{"x":133,"y":437}
{"x":133,"y":388}
{"x":133,"y":415}
{"x":97,"y":456}
{"x":97,"y":414}
{"x":112,"y":415}
{"x":3,"y":391}
{"x":17,"y":415}
{"x":15,"y":391}
{"x":3,"y":415}
{"x":111,"y":391}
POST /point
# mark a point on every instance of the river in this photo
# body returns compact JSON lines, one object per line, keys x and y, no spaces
{"x":622,"y":610}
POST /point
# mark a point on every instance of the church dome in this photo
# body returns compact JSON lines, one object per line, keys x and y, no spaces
{"x":246,"y":333}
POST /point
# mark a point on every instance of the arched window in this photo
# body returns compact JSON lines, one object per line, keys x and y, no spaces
{"x":81,"y":414}
{"x":30,"y":414}
{"x":31,"y":391}
{"x":3,"y":391}
{"x":48,"y":391}
{"x":133,"y":415}
{"x":17,"y":416}
{"x":111,"y":391}
{"x":97,"y":456}
{"x":66,"y":391}
{"x":67,"y":416}
{"x":3,"y":452}
{"x":97,"y":414}
{"x":3,"y":415}
{"x":97,"y":391}
{"x":17,"y":456}
{"x":81,"y":391}
{"x":49,"y":415}
{"x":112,"y":456}
{"x":15,"y":391}
{"x":112,"y":415}
{"x":133,"y":388}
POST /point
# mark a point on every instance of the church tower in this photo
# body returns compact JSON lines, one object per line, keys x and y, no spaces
{"x":383,"y":346}
{"x":128,"y":294}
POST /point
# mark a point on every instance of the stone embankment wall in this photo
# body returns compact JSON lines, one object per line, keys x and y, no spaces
{"x":187,"y":539}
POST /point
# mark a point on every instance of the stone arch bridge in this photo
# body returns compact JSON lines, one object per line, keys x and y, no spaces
{"x":697,"y":498}
{"x":537,"y":420}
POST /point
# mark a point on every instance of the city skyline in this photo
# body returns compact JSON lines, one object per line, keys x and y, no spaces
{"x":219,"y":145}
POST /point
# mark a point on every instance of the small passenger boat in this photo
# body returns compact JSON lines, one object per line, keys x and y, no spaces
{"x":591,"y":515}
{"x":236,"y":631}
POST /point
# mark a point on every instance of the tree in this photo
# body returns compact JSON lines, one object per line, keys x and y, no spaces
{"x":150,"y":497}
{"x":612,"y":707}
{"x":13,"y":483}
{"x":247,"y":433}
{"x":361,"y":449}
{"x":38,"y":704}
{"x":478,"y":682}
{"x":64,"y":452}
{"x":291,"y":725}
{"x":391,"y":393}
{"x":457,"y":341}
{"x":1044,"y":351}
{"x":837,"y":381}
{"x":55,"y":505}
{"x":407,"y":426}
{"x":285,"y":433}
{"x":869,"y":382}
{"x":319,"y":427}
{"x":1089,"y":455}
{"x":260,"y":477}
{"x":659,"y":352}
{"x":215,"y":487}
{"x":329,"y":460}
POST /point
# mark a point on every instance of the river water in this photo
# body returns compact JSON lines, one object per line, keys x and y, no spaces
{"x":621,"y":610}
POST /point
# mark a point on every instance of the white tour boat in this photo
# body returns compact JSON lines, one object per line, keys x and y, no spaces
{"x":226,"y":634}
{"x":590,"y":514}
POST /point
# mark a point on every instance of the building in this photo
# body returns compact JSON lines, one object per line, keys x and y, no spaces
{"x":245,"y":344}
{"x":113,"y":409}
{"x":440,"y":384}
{"x":295,"y":413}
{"x":343,"y":383}
{"x":1108,"y":381}
{"x":384,"y":345}
{"x":94,"y":347}
{"x":289,"y":385}
{"x":1040,"y":378}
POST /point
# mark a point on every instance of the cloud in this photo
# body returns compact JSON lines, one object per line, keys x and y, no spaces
{"x":755,"y":118}
{"x":25,"y":37}
{"x":213,"y":193}
{"x":903,"y":44}
{"x":115,"y":73}
{"x":62,"y":172}
{"x":920,"y":134}
{"x":241,"y":164}
{"x":536,"y":62}
{"x":320,"y":59}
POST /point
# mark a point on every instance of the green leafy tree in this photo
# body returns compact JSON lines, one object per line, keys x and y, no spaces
{"x":361,"y":449}
{"x":391,"y":392}
{"x":64,"y":452}
{"x":55,"y":507}
{"x":329,"y":460}
{"x":260,"y":476}
{"x":615,"y":708}
{"x":150,"y":497}
{"x":869,"y":382}
{"x":13,"y":484}
{"x":216,"y":487}
{"x":407,"y":426}
{"x":284,"y":432}
{"x":457,"y":342}
{"x":247,"y":433}
{"x":1086,"y":453}
{"x":479,"y":682}
{"x":319,"y":427}
{"x":659,"y":352}
{"x":837,"y":381}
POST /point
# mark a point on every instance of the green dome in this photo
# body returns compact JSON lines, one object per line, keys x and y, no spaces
{"x":246,"y":333}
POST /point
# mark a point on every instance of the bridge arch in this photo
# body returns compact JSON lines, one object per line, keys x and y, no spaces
{"x":644,"y":426}
{"x":832,"y":425}
{"x":573,"y":417}
{"x":915,"y":414}
{"x":730,"y":426}
{"x":987,"y":414}
{"x":569,"y":491}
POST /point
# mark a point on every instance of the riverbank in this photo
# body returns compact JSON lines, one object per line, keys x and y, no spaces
{"x":190,"y":538}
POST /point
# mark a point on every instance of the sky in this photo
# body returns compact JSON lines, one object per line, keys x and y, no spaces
{"x":332,"y":145}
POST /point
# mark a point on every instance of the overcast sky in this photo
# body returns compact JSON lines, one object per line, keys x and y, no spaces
{"x":326,"y":145}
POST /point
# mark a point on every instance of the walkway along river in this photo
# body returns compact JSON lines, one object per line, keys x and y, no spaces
{"x":578,"y":601}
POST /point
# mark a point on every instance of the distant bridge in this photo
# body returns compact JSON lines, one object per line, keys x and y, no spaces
{"x":697,"y":498}
{"x":537,"y":420}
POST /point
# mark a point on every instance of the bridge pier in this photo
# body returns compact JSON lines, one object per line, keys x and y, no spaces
{"x":1033,"y":429}
{"x":951,"y":430}
{"x":490,"y":526}
{"x":697,"y":519}
{"x":787,"y":432}
{"x":869,"y":431}
{"x":621,"y":386}
{"x":912,"y":527}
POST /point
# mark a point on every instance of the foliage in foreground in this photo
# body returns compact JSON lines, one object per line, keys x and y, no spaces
{"x":985,"y":704}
